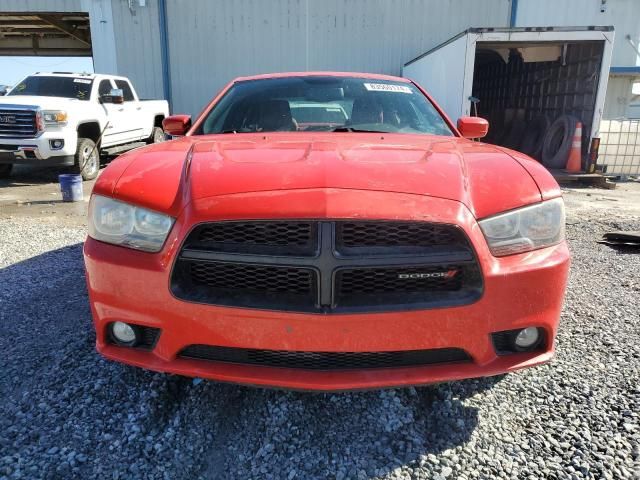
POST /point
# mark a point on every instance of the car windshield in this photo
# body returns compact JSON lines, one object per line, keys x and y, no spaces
{"x":66,"y":87}
{"x":324,"y":103}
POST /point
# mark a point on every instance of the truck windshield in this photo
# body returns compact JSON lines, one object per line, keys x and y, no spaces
{"x":324,"y":103}
{"x":66,"y":87}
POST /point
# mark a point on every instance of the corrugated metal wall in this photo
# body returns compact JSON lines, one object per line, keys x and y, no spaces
{"x":213,"y":41}
{"x":138,"y":45}
{"x":41,"y":6}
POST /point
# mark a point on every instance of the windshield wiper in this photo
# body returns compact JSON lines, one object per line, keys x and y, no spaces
{"x":228,"y":131}
{"x":359,"y":130}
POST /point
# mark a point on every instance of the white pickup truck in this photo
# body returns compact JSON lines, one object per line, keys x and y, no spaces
{"x":69,"y":119}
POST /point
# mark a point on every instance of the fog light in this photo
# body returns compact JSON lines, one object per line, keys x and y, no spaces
{"x":124,"y":334}
{"x":56,"y":144}
{"x":527,"y":338}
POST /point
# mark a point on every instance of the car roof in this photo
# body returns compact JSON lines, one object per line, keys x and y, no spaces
{"x":372,"y":76}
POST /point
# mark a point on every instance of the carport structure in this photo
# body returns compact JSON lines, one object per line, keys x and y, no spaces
{"x":45,"y":34}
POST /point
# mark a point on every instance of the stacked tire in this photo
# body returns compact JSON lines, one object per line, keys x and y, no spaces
{"x":557,"y":142}
{"x":533,"y":138}
{"x":548,"y":142}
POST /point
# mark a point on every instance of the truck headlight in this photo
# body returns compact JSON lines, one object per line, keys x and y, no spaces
{"x":525,"y":229}
{"x":123,"y":224}
{"x":54,"y":117}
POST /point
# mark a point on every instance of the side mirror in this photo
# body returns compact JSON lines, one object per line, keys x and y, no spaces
{"x":176,"y":125}
{"x":473,"y":127}
{"x":116,"y":95}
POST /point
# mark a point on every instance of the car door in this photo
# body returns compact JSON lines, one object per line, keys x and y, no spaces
{"x":133,"y":111}
{"x":115,"y":132}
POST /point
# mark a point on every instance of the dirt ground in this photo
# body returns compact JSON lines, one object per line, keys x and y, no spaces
{"x":32,"y":192}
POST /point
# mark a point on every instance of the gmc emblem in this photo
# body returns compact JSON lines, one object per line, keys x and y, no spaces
{"x":7,"y":119}
{"x":449,"y":274}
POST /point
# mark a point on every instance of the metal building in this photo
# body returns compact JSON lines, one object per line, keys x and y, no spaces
{"x":185,"y":50}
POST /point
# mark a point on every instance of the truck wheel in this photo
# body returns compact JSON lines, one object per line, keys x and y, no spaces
{"x":157,"y":136}
{"x":87,"y":161}
{"x":5,"y":170}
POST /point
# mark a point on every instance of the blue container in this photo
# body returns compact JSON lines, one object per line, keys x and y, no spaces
{"x":71,"y":187}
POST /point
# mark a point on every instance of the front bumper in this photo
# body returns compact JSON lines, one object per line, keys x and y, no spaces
{"x":519,"y":291}
{"x":38,"y":150}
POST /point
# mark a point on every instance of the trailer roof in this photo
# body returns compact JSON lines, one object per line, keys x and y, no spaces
{"x":592,"y":28}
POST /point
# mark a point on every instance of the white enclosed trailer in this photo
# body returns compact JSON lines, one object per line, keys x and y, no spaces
{"x":520,"y":76}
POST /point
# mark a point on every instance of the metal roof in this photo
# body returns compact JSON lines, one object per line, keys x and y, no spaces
{"x":45,"y":34}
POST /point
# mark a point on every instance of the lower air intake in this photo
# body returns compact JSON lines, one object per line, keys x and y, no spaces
{"x":325,"y":360}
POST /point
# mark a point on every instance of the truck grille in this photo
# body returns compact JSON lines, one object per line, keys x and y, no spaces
{"x":327,"y":266}
{"x":324,"y":360}
{"x":17,"y":123}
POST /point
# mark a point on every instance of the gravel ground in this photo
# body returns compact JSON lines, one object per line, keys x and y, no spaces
{"x":66,"y":413}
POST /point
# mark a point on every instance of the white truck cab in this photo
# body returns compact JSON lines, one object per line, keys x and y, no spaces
{"x":68,"y":119}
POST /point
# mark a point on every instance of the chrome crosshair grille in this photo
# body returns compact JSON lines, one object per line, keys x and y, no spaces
{"x":16,"y":122}
{"x":327,"y":266}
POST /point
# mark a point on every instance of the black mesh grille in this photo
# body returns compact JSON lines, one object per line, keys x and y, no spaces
{"x":395,"y":236}
{"x":325,"y":360}
{"x":409,"y":286}
{"x":149,"y":337}
{"x":327,"y":266}
{"x":257,"y":278}
{"x":245,"y":285}
{"x":259,"y":237}
{"x":399,"y":280}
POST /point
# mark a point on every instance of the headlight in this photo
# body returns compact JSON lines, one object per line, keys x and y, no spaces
{"x":119,"y":223}
{"x":525,"y":229}
{"x":54,"y":117}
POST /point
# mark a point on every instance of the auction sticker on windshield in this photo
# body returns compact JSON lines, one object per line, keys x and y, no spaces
{"x":384,"y":87}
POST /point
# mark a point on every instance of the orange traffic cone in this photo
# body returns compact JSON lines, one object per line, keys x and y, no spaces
{"x":574,"y":163}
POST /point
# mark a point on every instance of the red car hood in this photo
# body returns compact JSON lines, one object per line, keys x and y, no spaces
{"x":486,"y":179}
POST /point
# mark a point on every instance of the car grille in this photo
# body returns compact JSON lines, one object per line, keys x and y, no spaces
{"x":393,"y":237}
{"x":327,"y":266}
{"x":257,"y":237}
{"x":325,"y":360}
{"x":240,"y":284}
{"x":17,"y":123}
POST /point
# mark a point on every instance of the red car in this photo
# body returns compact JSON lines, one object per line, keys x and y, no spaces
{"x":391,"y":250}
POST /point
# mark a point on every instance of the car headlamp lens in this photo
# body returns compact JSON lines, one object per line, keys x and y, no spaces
{"x":152,"y":223}
{"x":123,"y":224}
{"x":112,"y":218}
{"x":543,"y":222}
{"x":54,"y":116}
{"x":507,"y":227}
{"x":525,"y":229}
